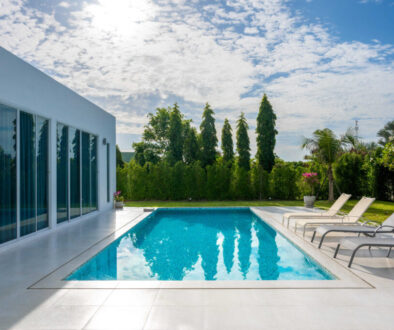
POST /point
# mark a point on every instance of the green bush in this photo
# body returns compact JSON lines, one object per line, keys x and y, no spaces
{"x":356,"y":174}
{"x":122,"y":181}
{"x":350,"y":174}
{"x":259,"y":182}
{"x":241,"y":183}
{"x":382,"y":175}
{"x":283,"y":181}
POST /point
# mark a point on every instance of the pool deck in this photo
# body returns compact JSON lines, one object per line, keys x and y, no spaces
{"x":24,"y":304}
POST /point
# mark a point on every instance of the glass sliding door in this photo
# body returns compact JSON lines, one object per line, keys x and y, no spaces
{"x":85,"y":173}
{"x":42,"y":172}
{"x":93,"y":172}
{"x":27,"y":173}
{"x":62,"y":173}
{"x":7,"y":174}
{"x":75,"y":172}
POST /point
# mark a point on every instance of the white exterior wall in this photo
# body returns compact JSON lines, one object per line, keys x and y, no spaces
{"x":25,"y":88}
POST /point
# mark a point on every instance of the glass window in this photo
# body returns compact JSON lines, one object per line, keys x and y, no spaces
{"x":42,"y":173}
{"x":75,"y":172}
{"x":85,"y":173}
{"x":27,"y":173}
{"x":7,"y":173}
{"x":93,"y":172}
{"x":62,"y":173}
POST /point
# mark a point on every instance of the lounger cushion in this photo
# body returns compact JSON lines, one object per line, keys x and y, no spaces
{"x":303,"y":214}
{"x":354,"y":242}
{"x":318,"y":221}
{"x":348,"y":228}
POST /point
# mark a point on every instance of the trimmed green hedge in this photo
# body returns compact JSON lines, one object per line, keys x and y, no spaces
{"x":355,"y":173}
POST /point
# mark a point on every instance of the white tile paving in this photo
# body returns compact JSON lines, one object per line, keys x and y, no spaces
{"x":120,"y":307}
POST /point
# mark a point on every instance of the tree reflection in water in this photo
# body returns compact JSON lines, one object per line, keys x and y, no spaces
{"x":200,"y":244}
{"x":172,"y":245}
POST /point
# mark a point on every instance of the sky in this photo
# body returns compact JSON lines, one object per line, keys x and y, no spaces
{"x":322,"y":63}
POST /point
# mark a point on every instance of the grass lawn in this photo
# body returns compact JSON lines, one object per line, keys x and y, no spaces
{"x":378,"y":211}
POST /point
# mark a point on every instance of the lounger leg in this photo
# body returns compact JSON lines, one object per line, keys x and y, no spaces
{"x":313,"y":236}
{"x":322,"y":239}
{"x":288,"y":222}
{"x":388,"y":254}
{"x":303,"y":233}
{"x":295,"y":227}
{"x":353,"y":255}
{"x":337,"y":250}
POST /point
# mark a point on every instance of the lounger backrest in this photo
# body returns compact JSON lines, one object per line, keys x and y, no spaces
{"x":359,"y":209}
{"x":339,"y":203}
{"x":389,"y":221}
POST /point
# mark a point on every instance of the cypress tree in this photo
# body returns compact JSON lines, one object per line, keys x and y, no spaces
{"x":190,"y":146}
{"x":175,"y":145}
{"x":243,"y":143}
{"x":227,"y":142}
{"x":266,"y":133}
{"x":209,"y":139}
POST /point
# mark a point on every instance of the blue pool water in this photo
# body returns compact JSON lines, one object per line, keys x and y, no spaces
{"x":210,"y":244}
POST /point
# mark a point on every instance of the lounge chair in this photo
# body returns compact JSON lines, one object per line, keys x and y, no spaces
{"x":354,"y":216}
{"x":363,"y":228}
{"x":332,"y":211}
{"x":355,"y":243}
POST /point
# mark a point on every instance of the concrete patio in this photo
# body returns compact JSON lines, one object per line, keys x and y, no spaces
{"x":28,"y":262}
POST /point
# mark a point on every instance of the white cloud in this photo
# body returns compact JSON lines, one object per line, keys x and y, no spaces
{"x":251,"y":30}
{"x":367,"y":1}
{"x":120,"y":53}
{"x":64,"y":4}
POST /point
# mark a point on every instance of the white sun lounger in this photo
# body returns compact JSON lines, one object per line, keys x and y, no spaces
{"x":356,"y":243}
{"x":352,"y":217}
{"x":332,"y":211}
{"x":386,"y":227}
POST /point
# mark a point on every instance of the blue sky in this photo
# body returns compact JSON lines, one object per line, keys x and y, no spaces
{"x":323,"y":63}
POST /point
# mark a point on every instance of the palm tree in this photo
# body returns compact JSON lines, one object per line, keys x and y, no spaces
{"x":354,"y":143}
{"x":325,"y":147}
{"x":387,"y":133}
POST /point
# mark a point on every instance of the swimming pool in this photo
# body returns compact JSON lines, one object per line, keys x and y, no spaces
{"x":211,"y":244}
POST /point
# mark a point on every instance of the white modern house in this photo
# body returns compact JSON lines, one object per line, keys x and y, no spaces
{"x":57,"y":153}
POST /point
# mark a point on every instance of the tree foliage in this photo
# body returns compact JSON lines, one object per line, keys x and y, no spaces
{"x":227,"y":142}
{"x":266,"y":135}
{"x":191,"y":149}
{"x":209,"y":139}
{"x":387,"y":158}
{"x":175,"y":136}
{"x":243,"y":143}
{"x":348,"y":170}
{"x":386,"y":134}
{"x":174,"y":162}
{"x":283,"y":181}
{"x":156,"y":132}
{"x":325,"y":148}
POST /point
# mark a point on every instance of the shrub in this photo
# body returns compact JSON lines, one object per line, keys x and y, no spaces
{"x":241,"y":183}
{"x":283,"y":179}
{"x":259,"y":182}
{"x":350,"y":173}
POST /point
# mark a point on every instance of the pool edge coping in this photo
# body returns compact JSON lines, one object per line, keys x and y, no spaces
{"x":346,"y":279}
